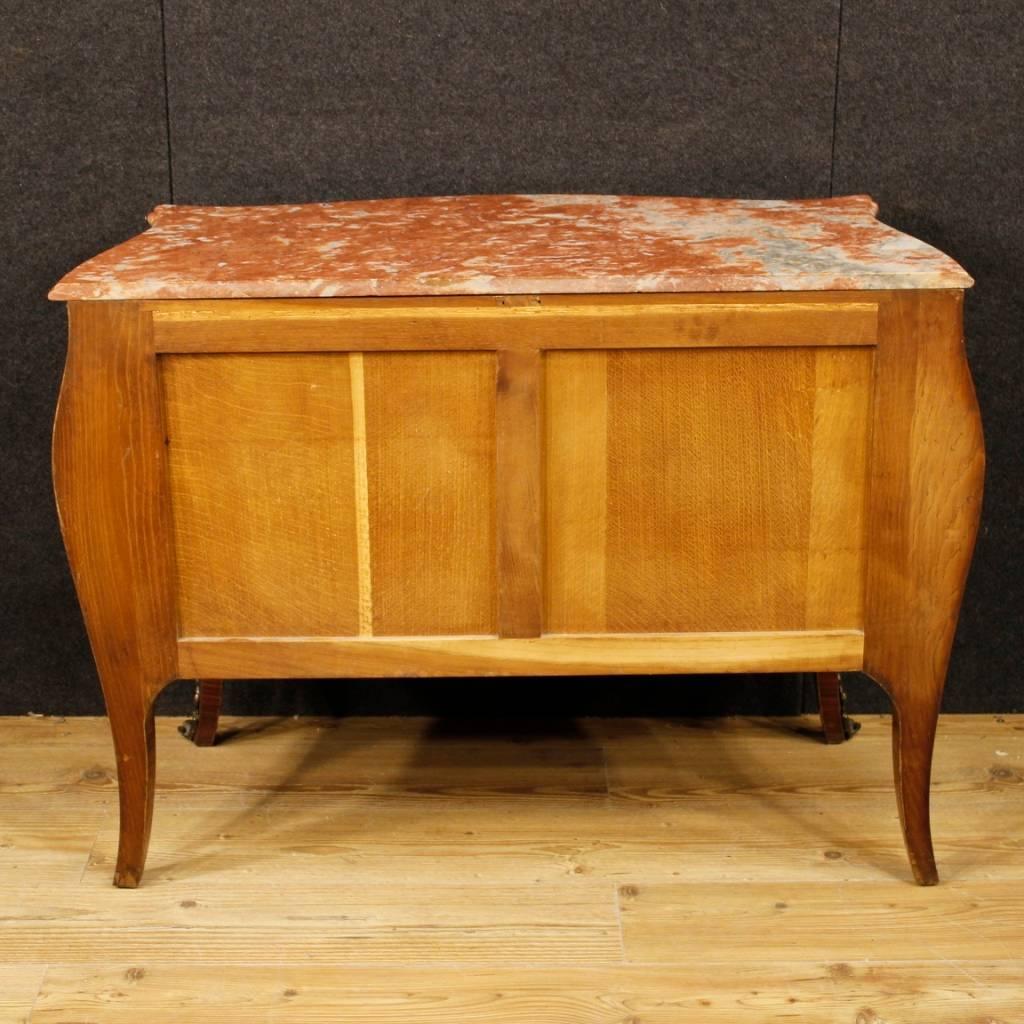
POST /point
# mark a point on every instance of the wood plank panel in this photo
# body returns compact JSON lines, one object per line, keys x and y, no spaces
{"x":326,"y":923}
{"x":430,"y":451}
{"x":518,"y":484}
{"x":19,"y":989}
{"x":811,"y":991}
{"x":716,"y":463}
{"x":51,"y":848}
{"x":509,"y":322}
{"x":310,"y":657}
{"x":677,"y":923}
{"x":262,"y":485}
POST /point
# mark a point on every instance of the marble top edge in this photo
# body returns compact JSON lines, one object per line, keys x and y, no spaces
{"x":169,"y":213}
{"x":511,"y":244}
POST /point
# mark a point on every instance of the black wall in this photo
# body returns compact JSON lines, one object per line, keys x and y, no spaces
{"x":112,"y":106}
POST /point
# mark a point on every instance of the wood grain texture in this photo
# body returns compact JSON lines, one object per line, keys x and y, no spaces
{"x":503,"y":847}
{"x":19,"y":991}
{"x":361,"y":493}
{"x":262,"y":480}
{"x":723,"y":489}
{"x":576,"y":491}
{"x":111,"y":488}
{"x":514,"y":322}
{"x":774,"y":992}
{"x":743,"y":923}
{"x":431,"y":468}
{"x":838,"y":500}
{"x":333,"y":922}
{"x":518,"y":500}
{"x":928,"y":465}
{"x":612,"y":654}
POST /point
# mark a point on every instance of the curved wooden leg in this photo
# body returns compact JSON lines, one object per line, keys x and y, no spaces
{"x":111,"y":490}
{"x":131,"y":722}
{"x":201,"y":726}
{"x":836,"y":727}
{"x":915,"y":717}
{"x":927,"y":466}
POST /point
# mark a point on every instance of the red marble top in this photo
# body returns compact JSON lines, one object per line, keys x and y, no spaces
{"x":483,"y":245}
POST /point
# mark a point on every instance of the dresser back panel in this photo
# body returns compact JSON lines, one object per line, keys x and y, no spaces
{"x":466,"y":468}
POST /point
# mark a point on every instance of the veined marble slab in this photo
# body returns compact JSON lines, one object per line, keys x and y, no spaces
{"x":485,"y":245}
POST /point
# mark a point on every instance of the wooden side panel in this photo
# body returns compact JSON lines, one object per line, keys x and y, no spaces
{"x":263,"y":492}
{"x":430,"y":453}
{"x":714,"y":465}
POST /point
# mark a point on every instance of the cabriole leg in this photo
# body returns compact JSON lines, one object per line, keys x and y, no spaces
{"x":927,"y":470}
{"x":131,"y":722}
{"x":111,"y":488}
{"x":915,"y":717}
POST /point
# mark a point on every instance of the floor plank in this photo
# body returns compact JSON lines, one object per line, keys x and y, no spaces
{"x":184,"y":922}
{"x":763,"y":993}
{"x":863,"y":921}
{"x":48,"y":840}
{"x":19,"y":987}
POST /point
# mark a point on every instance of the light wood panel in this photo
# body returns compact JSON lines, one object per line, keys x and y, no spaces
{"x":272,"y":658}
{"x":53,"y":848}
{"x":714,"y":464}
{"x":743,"y":923}
{"x":333,"y":922}
{"x":19,"y":990}
{"x":430,"y":453}
{"x":263,"y":493}
{"x":775,"y":992}
{"x":576,"y":491}
{"x":513,"y":322}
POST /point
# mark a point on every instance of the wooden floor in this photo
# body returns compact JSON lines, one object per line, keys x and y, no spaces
{"x":569,"y":872}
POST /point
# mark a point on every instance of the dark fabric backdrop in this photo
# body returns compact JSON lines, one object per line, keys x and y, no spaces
{"x":112,"y":106}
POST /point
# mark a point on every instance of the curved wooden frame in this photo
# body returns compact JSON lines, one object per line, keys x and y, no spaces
{"x":925,"y":480}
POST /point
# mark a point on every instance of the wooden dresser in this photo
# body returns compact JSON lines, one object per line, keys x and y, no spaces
{"x":518,"y":435}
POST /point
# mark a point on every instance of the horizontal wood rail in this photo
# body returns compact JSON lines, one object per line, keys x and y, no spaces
{"x":613,"y":321}
{"x":611,"y":654}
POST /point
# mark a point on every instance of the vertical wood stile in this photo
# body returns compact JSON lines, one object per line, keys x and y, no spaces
{"x":576,"y":492}
{"x":518,"y":449}
{"x":362,"y":493}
